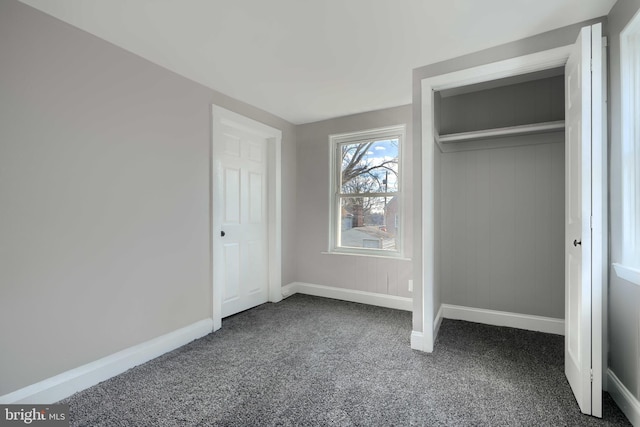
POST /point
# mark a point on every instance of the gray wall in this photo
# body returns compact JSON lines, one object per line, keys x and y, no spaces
{"x":549,"y":40}
{"x":624,"y":297}
{"x":502,"y":229}
{"x":344,"y":271}
{"x":104,"y":185}
{"x":536,"y":101}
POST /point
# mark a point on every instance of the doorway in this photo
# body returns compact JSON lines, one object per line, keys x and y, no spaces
{"x":245,"y":214}
{"x":593,"y":298}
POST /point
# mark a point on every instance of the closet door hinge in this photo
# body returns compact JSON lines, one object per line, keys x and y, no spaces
{"x":591,"y":375}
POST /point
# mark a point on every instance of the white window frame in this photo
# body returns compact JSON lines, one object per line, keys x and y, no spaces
{"x":390,"y":132}
{"x":629,"y":267}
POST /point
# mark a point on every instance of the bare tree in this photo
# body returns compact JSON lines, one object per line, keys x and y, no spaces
{"x":362,"y":174}
{"x":354,"y":164}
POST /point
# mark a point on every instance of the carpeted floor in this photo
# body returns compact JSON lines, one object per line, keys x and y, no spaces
{"x":314,"y":361}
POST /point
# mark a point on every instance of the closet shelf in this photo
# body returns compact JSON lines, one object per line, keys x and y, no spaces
{"x":500,"y":132}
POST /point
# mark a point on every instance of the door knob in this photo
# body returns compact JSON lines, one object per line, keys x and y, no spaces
{"x":222,"y":234}
{"x":576,"y":243}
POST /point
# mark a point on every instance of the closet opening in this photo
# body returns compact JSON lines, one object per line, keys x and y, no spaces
{"x":499,"y":181}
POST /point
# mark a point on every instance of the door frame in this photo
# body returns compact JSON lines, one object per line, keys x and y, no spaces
{"x":429,"y":318}
{"x":273,"y":138}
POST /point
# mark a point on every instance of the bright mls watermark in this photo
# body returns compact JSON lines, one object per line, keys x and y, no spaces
{"x":35,"y":415}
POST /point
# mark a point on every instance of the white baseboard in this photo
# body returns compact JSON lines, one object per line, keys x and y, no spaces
{"x":437,"y":322}
{"x":67,"y":383}
{"x":502,"y":318}
{"x":417,"y":340}
{"x":290,"y":289}
{"x":627,"y":402}
{"x":371,"y":298}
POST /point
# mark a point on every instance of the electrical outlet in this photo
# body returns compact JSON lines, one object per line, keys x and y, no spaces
{"x":410,"y":285}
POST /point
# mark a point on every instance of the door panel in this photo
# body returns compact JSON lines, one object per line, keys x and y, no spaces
{"x":231,"y":145}
{"x":231,"y":272}
{"x":256,"y":190}
{"x":231,"y":196}
{"x":581,"y":339}
{"x":255,"y":258}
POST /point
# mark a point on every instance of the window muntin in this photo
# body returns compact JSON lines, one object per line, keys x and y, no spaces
{"x":366,"y":192}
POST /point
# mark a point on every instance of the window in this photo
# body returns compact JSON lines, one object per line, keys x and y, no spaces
{"x":366,"y":196}
{"x":629,"y":268}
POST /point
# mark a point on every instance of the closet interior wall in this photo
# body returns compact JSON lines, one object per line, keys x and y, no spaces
{"x":500,"y":216}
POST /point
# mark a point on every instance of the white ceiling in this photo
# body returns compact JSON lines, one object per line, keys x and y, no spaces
{"x":306,"y":60}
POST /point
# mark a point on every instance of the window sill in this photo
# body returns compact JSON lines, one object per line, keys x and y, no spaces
{"x":389,"y":256}
{"x":627,"y":273}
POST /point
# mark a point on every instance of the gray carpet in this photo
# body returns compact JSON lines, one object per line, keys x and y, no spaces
{"x":315,"y":361}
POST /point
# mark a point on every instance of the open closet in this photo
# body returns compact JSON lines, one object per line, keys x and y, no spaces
{"x":501,"y":168}
{"x":499,"y":171}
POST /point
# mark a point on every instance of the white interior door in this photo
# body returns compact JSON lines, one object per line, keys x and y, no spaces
{"x":240,"y":216}
{"x":583,"y":294}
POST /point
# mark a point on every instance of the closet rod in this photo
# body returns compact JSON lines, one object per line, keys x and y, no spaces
{"x":505,"y":131}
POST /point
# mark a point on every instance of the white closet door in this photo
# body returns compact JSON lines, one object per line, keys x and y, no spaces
{"x":583,"y":291}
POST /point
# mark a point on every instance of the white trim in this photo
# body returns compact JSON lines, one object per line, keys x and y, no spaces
{"x":417,"y":341}
{"x":67,"y":383}
{"x":529,"y":322}
{"x":362,"y":297}
{"x":437,"y":322}
{"x":289,"y":290}
{"x":274,"y":170}
{"x":599,"y":227}
{"x":625,"y":400}
{"x":539,"y":61}
{"x":510,"y":67}
{"x":275,"y":215}
{"x":630,"y":274}
{"x":367,"y":255}
{"x":602,"y":241}
{"x":369,"y":134}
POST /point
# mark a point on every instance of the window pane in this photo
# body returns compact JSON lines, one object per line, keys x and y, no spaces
{"x":369,"y":167}
{"x":369,"y":222}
